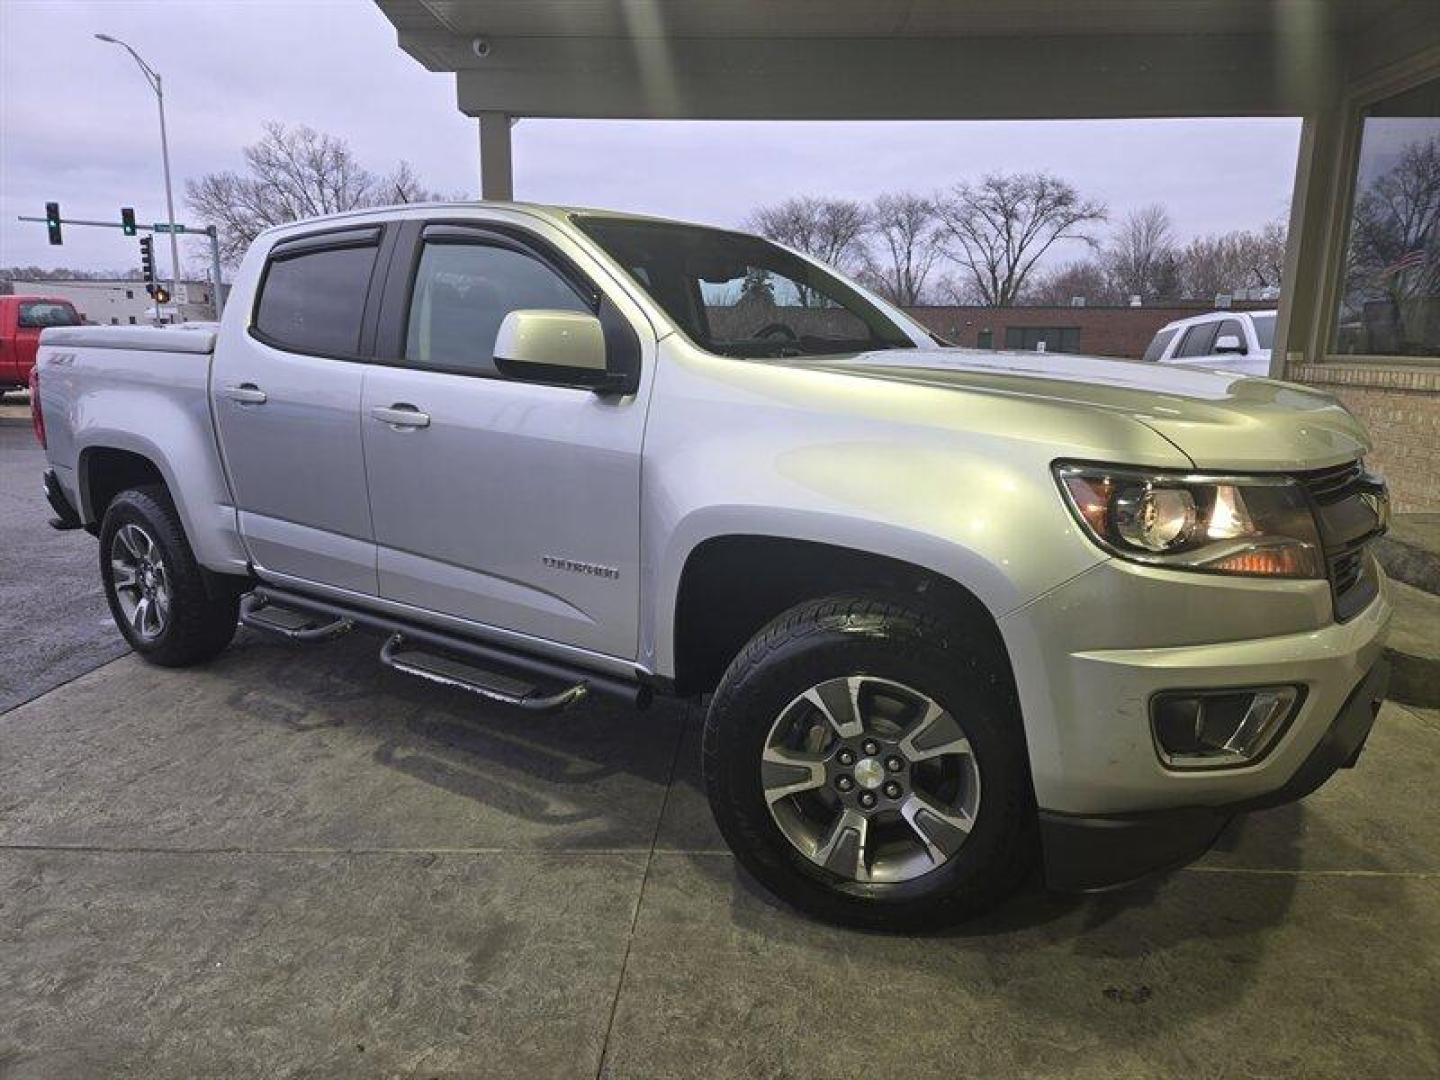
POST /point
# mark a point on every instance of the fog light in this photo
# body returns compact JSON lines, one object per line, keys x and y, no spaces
{"x":1220,"y":729}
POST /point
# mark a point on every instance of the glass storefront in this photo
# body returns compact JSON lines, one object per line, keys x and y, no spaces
{"x":1390,"y":295}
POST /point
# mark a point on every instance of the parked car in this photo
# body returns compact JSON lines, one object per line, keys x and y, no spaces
{"x":954,"y":612}
{"x":21,"y":320}
{"x":1238,"y":341}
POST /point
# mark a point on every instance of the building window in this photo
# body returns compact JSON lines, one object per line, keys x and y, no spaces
{"x":1390,"y":294}
{"x":129,"y":294}
{"x":132,"y":320}
{"x":1056,"y":338}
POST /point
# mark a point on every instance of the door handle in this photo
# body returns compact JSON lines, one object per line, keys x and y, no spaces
{"x":246,"y":392}
{"x":401,"y":415}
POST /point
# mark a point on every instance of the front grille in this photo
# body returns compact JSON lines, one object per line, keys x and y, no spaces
{"x":1332,"y":485}
{"x":1345,"y":511}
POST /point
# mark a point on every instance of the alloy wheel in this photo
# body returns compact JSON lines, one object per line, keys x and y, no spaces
{"x":141,"y":583}
{"x":871,"y":779}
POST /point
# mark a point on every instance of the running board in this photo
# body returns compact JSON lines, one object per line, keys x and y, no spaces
{"x":259,"y":613}
{"x":403,"y":656}
{"x":477,"y":656}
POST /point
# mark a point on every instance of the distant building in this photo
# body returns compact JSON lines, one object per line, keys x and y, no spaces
{"x":125,"y":303}
{"x":1098,"y":331}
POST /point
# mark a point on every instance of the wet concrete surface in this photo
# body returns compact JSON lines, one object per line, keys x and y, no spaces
{"x":293,"y":862}
{"x":54,"y":624}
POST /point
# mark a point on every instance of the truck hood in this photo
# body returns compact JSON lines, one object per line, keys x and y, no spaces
{"x":1220,"y":420}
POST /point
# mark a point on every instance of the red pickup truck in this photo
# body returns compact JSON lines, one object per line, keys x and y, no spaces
{"x":21,"y":320}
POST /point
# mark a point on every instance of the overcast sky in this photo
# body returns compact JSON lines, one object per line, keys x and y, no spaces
{"x":78,"y":125}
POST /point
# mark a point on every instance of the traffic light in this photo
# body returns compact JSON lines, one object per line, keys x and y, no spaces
{"x":161,"y":294}
{"x":52,"y":222}
{"x":127,"y":221}
{"x":147,"y":262}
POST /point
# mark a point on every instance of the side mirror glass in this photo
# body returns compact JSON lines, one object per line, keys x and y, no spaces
{"x":552,"y":346}
{"x":1229,"y":343}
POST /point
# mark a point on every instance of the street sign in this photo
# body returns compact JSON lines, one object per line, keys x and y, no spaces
{"x":164,"y":226}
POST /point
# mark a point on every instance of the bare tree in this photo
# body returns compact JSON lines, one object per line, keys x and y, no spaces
{"x":1087,"y":279}
{"x":1001,"y":227}
{"x":908,"y":244}
{"x":292,"y":173}
{"x":1226,"y":264}
{"x":1140,"y":257}
{"x":831,"y":230}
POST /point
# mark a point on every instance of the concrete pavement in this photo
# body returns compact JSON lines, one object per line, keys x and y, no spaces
{"x":293,"y":862}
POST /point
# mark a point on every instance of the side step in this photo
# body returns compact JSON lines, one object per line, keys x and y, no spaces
{"x":428,"y":652}
{"x":259,"y":613}
{"x":411,"y":659}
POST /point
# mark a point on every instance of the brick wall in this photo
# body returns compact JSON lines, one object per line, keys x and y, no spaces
{"x":1104,"y":331}
{"x":1401,"y":409}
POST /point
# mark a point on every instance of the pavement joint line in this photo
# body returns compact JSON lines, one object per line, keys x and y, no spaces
{"x":61,"y":685}
{"x":146,"y":849}
{"x":1283,"y":872}
{"x":640,"y":899}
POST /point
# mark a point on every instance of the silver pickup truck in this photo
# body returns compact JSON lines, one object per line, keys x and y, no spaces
{"x":957,"y":615}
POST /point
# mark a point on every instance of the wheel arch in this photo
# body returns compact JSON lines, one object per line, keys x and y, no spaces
{"x":730,"y":585}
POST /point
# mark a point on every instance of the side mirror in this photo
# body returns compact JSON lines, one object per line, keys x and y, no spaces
{"x":1230,"y":343}
{"x":552,"y":346}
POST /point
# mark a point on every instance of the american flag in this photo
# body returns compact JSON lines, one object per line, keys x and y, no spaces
{"x":1409,"y":261}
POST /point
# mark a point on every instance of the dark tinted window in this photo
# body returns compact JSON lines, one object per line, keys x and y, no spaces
{"x":1056,"y":338}
{"x":42,"y":313}
{"x":1157,"y":346}
{"x":1233,"y":328}
{"x":462,"y":294}
{"x":1264,"y":330}
{"x":1199,"y":340}
{"x":312,"y":302}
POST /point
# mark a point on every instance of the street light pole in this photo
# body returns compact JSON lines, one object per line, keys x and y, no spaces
{"x":153,"y":78}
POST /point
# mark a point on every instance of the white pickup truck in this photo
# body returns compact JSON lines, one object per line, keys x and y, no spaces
{"x":956,"y":614}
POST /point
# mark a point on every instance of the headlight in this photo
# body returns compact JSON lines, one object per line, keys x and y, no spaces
{"x":1258,"y":525}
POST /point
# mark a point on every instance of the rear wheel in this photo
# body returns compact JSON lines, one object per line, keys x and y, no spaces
{"x":154,"y":586}
{"x":865,"y":761}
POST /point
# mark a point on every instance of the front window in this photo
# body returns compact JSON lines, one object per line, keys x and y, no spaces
{"x":739,"y":295}
{"x":39,"y":314}
{"x":1390,"y":296}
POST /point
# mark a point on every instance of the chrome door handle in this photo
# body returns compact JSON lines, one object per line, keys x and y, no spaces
{"x":246,"y":392}
{"x":401,"y":415}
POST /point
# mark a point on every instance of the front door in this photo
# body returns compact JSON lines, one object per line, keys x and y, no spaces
{"x":287,"y":409}
{"x":506,"y":503}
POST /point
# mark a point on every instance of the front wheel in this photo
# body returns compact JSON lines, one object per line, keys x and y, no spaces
{"x":865,"y":761}
{"x":154,"y":585}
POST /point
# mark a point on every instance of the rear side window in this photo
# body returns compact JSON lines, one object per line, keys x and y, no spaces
{"x":1264,"y":330}
{"x":312,"y":301}
{"x":1157,"y":346}
{"x":462,"y":294}
{"x":42,"y":313}
{"x":1199,"y":340}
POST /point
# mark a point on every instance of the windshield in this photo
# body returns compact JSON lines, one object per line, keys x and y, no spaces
{"x":1264,"y":330}
{"x":739,"y":295}
{"x":42,"y":313}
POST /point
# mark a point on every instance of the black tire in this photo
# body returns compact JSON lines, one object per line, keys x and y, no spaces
{"x":891,"y":639}
{"x":198,"y":625}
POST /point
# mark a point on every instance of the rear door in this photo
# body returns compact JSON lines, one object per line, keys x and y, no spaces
{"x":513,"y":504}
{"x":287,"y":392}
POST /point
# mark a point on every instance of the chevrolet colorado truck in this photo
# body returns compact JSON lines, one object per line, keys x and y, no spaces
{"x":958,"y":616}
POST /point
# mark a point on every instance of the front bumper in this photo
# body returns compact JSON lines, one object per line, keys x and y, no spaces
{"x":1094,"y":852}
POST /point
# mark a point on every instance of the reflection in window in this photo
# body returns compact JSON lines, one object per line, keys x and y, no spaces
{"x":1390,"y":300}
